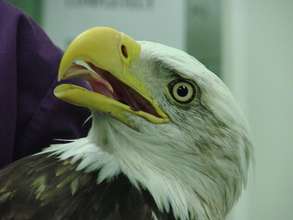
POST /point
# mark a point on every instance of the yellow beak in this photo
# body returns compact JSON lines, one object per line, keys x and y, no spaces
{"x":113,"y":52}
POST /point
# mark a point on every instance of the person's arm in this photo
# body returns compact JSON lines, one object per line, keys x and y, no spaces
{"x":30,"y":116}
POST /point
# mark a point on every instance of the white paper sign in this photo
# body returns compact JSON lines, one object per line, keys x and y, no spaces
{"x":153,"y":20}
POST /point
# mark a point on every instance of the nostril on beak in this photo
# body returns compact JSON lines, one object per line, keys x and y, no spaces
{"x":124,"y":51}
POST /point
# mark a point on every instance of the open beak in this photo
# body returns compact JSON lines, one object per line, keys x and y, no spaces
{"x":102,"y":56}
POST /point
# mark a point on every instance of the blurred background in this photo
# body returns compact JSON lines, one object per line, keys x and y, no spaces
{"x":248,"y":43}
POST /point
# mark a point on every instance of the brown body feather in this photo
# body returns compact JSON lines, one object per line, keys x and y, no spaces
{"x":43,"y":187}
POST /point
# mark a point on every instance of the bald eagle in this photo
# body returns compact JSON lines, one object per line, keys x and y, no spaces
{"x":167,"y":140}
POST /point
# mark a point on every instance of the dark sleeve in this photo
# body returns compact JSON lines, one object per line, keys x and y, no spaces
{"x":30,"y":116}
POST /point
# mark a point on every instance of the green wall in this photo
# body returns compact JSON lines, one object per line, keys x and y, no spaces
{"x":204,"y":32}
{"x":30,"y":7}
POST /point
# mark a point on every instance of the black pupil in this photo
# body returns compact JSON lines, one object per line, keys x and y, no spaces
{"x":182,"y":91}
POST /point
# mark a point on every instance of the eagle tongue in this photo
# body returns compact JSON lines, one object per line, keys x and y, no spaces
{"x":100,"y":87}
{"x":96,"y":82}
{"x":135,"y":101}
{"x":131,"y":100}
{"x":125,"y":94}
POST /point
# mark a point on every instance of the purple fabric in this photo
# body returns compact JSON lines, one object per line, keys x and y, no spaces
{"x":30,"y":116}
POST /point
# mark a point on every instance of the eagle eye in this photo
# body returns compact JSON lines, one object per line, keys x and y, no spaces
{"x":182,"y":91}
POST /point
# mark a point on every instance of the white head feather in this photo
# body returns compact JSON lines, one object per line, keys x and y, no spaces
{"x":197,"y":164}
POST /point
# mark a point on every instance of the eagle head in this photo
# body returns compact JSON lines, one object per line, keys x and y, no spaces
{"x":161,"y":118}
